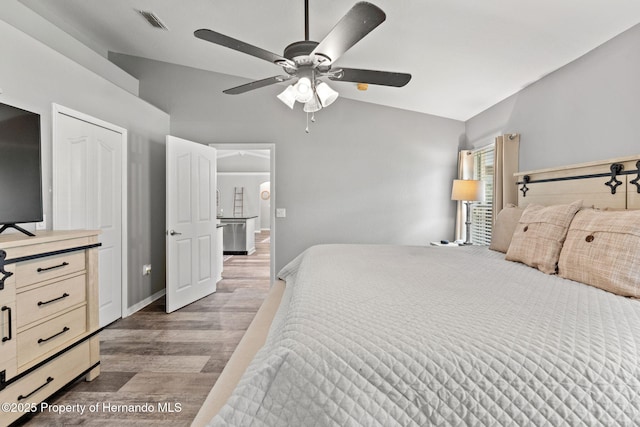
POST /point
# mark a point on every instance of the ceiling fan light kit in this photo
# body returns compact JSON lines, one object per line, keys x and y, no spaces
{"x":308,"y":61}
{"x":314,"y":96}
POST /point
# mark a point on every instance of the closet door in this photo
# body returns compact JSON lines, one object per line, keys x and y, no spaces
{"x":88,"y":194}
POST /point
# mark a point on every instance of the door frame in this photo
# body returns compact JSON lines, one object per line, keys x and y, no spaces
{"x":272,"y":178}
{"x":60,"y":109}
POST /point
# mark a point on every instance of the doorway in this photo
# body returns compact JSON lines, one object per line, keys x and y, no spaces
{"x":248,"y":165}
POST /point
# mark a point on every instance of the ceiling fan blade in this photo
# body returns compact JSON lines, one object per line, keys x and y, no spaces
{"x":357,"y":23}
{"x":383,"y":78}
{"x":240,"y":46}
{"x":256,"y":85}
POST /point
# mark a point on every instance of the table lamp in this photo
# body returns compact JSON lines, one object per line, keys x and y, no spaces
{"x":467,"y":191}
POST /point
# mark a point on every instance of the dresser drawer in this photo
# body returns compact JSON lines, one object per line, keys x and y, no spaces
{"x":37,"y":270}
{"x":44,"y":381}
{"x":40,"y":339}
{"x":47,"y":300}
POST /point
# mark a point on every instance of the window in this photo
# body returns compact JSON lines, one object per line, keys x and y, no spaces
{"x":481,"y":212}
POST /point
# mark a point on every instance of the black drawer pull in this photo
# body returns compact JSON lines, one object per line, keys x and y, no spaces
{"x":53,"y":300}
{"x":5,"y":308}
{"x":41,"y":340}
{"x":40,"y":270}
{"x":21,"y":397}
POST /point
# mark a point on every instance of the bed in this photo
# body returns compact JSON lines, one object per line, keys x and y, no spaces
{"x":386,"y":335}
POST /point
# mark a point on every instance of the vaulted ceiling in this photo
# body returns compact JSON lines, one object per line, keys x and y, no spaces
{"x":464,"y":55}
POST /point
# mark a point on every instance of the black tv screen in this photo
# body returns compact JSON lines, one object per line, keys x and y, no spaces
{"x":20,"y":167}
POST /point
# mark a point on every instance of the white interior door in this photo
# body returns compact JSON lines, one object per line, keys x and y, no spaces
{"x":191,"y":222}
{"x":87,"y":194}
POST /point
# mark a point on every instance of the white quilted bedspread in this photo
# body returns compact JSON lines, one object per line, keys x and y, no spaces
{"x":412,"y":336}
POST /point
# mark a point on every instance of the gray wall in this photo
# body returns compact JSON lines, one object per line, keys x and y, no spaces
{"x":33,"y":76}
{"x":365,"y":173}
{"x":587,"y":110}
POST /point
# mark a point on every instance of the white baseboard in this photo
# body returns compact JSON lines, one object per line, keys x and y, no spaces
{"x":145,"y":302}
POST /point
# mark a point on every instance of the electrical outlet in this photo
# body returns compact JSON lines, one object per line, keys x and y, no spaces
{"x":146,"y":270}
{"x":42,"y":225}
{"x":281,"y":213}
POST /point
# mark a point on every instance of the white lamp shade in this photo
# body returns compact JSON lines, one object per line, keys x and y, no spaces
{"x":313,"y":105}
{"x":326,"y":94}
{"x":303,"y":90}
{"x":467,"y":190}
{"x":288,"y":96}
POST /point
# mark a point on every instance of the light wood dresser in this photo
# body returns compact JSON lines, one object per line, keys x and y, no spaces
{"x":48,"y":317}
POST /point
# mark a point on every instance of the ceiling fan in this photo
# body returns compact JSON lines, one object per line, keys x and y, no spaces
{"x":307,"y":61}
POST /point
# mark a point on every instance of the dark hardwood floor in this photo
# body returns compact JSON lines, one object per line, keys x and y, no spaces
{"x":167,"y":363}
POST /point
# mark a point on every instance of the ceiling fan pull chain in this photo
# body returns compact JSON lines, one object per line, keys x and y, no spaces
{"x":307,"y":129}
{"x":313,"y":117}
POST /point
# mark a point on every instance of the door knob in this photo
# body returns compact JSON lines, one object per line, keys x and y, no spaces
{"x":173,"y":232}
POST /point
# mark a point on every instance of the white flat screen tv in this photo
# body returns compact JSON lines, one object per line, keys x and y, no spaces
{"x":20,"y":168}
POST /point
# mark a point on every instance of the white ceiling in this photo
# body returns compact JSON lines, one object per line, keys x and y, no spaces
{"x":464,"y":55}
{"x":251,"y":161}
{"x":261,"y":154}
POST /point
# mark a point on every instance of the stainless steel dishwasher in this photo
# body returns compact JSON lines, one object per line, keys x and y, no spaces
{"x":234,"y":236}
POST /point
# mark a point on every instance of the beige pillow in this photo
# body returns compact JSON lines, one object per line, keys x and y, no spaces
{"x":502,"y":231}
{"x":602,"y":249}
{"x":538,"y":237}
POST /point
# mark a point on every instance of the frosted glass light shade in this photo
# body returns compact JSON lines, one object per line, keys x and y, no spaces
{"x":313,"y":105}
{"x":467,"y":190}
{"x":326,"y":94}
{"x":303,"y":90}
{"x":288,"y":96}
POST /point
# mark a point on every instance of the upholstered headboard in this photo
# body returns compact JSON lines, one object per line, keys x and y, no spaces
{"x":613,"y":183}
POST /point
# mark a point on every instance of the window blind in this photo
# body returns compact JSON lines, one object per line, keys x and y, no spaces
{"x":481,"y":212}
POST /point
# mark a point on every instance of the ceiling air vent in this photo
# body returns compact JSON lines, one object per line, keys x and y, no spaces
{"x":152,"y":19}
